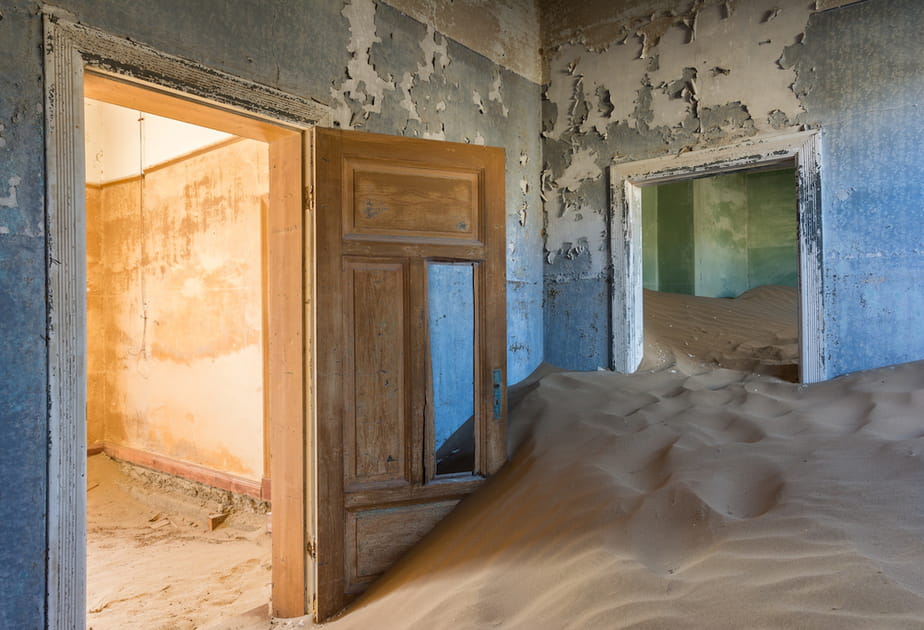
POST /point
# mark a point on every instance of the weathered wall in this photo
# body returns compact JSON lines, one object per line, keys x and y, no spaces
{"x":380,"y":69}
{"x":687,"y":75}
{"x":724,"y":234}
{"x":174,"y":310}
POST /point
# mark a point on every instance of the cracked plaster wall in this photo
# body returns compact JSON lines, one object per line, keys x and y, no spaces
{"x":691,"y":75}
{"x":379,"y":69}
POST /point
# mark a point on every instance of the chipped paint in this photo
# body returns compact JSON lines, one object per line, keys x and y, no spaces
{"x":9,"y":201}
{"x":506,"y":32}
{"x":363,"y":84}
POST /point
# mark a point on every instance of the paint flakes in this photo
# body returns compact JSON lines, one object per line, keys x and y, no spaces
{"x":477,"y":101}
{"x":10,"y":200}
{"x":2,"y":139}
{"x":363,"y":86}
{"x":583,"y":167}
{"x":435,"y":54}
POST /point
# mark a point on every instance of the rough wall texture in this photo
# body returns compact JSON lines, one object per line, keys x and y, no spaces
{"x":23,"y":425}
{"x":692,"y":75}
{"x":174,"y":310}
{"x":379,"y":69}
{"x":860,"y":76}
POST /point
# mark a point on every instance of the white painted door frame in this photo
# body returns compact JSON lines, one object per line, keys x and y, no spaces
{"x":69,"y":49}
{"x":626,"y":180}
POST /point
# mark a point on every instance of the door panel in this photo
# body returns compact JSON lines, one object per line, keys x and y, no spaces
{"x":409,"y":201}
{"x":407,"y":233}
{"x":376,"y":538}
{"x":375,"y":443}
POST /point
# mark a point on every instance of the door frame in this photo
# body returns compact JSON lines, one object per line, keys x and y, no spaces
{"x":71,"y":49}
{"x":626,"y":181}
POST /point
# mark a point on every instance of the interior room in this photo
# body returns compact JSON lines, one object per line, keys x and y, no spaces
{"x":177,"y":475}
{"x":720,"y":265}
{"x":519,"y":314}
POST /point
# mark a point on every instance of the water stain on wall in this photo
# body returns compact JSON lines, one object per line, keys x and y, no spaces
{"x":175,"y":309}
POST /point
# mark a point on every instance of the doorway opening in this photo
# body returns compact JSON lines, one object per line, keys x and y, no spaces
{"x":178,"y":470}
{"x":720,"y":272}
{"x":80,"y":62}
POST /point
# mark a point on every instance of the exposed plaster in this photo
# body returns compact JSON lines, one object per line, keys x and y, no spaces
{"x":363,"y":84}
{"x":10,"y":200}
{"x":505,"y":32}
{"x":672,"y":80}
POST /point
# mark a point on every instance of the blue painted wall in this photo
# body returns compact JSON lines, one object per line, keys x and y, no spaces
{"x":861,"y":80}
{"x":300,"y":47}
{"x":22,"y":322}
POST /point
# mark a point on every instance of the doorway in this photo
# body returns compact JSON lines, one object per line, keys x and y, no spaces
{"x":178,"y":469}
{"x":627,"y":181}
{"x":131,"y":75}
{"x":720,"y":272}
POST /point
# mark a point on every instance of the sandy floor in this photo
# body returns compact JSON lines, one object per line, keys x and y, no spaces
{"x":685,"y":496}
{"x":152,"y":562}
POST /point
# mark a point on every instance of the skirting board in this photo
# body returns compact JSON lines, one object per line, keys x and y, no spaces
{"x":192,"y":472}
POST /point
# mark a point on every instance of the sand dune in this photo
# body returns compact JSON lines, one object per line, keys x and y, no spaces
{"x":686,"y":497}
{"x":756,"y":332}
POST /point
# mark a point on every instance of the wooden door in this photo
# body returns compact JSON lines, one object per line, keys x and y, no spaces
{"x":410,"y":322}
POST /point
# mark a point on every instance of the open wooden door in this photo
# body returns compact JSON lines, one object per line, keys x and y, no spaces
{"x":410,"y":362}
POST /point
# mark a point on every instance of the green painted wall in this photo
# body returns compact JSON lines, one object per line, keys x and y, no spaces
{"x":773,"y":246}
{"x":675,"y":237}
{"x":650,"y":237}
{"x":720,"y":236}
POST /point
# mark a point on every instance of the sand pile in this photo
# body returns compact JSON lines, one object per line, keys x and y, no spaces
{"x":152,"y":562}
{"x":666,"y":500}
{"x":686,"y":497}
{"x":756,"y":332}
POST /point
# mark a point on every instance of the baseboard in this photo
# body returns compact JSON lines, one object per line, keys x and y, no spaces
{"x":192,"y":472}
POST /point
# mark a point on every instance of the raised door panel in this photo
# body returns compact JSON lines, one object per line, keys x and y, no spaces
{"x":376,"y":538}
{"x":410,"y":202}
{"x":377,"y":404}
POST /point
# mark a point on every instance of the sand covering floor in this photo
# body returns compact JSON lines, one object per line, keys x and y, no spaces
{"x":685,"y":496}
{"x":152,"y":562}
{"x":691,"y":496}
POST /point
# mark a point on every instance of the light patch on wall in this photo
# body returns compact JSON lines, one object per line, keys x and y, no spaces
{"x":363,"y":85}
{"x":435,"y":54}
{"x":10,"y":201}
{"x":495,"y":94}
{"x":2,"y":139}
{"x":583,"y":167}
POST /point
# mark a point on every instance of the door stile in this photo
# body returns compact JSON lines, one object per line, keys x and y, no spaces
{"x":330,"y":561}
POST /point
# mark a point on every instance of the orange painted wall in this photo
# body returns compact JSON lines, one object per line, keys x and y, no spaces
{"x":174,"y":307}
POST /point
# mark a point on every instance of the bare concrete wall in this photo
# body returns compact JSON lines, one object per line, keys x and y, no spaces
{"x":174,"y":310}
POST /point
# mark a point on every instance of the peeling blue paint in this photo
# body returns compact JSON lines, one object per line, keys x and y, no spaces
{"x":861,"y":80}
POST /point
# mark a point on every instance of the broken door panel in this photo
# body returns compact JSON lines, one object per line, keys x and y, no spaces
{"x":388,"y":211}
